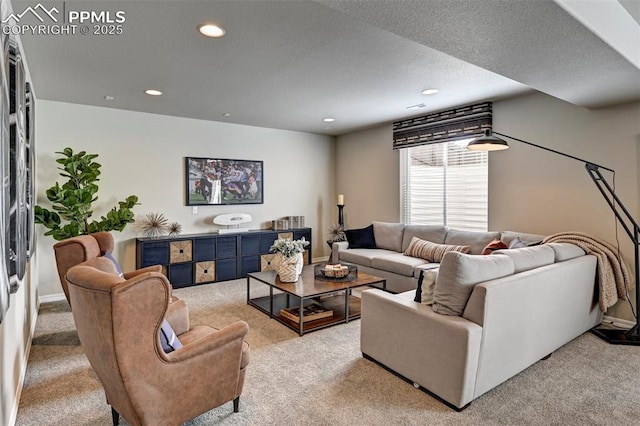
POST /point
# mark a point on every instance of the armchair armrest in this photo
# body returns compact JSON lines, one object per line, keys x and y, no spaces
{"x":152,"y":268}
{"x":211,"y":344}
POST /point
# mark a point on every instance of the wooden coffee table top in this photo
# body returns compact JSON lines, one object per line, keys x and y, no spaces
{"x":308,"y":286}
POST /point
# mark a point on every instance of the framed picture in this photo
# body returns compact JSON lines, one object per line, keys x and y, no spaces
{"x":217,"y":181}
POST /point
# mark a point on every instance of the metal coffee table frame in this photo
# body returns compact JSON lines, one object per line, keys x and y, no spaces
{"x":336,"y":295}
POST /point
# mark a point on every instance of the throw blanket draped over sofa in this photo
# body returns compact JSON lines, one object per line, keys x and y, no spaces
{"x":613,"y":275}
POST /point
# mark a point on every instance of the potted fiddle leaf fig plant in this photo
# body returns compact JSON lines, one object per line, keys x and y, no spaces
{"x":289,"y":260}
{"x":71,"y":202}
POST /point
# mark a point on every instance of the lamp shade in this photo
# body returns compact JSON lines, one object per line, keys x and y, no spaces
{"x":488,"y":142}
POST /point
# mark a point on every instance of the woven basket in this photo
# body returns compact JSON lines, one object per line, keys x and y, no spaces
{"x":289,"y":268}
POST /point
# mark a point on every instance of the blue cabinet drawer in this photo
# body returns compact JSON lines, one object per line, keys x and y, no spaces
{"x":155,"y":254}
{"x":181,"y":275}
{"x":226,"y":269}
{"x":266,"y":241}
{"x":226,"y":247}
{"x":249,"y":264}
{"x":204,"y":249}
{"x":249,"y":245}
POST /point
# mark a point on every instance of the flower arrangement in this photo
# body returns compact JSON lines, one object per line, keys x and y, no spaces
{"x":289,"y":248}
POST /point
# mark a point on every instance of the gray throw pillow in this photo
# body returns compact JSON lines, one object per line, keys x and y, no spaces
{"x":459,"y":273}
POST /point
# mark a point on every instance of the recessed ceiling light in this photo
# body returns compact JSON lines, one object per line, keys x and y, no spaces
{"x":416,"y":106}
{"x":211,"y":30}
{"x":153,"y":92}
{"x":226,"y":114}
{"x":328,"y":120}
{"x":108,"y":98}
{"x":430,"y":91}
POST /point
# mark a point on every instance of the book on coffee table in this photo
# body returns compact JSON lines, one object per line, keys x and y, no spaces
{"x":311,"y":312}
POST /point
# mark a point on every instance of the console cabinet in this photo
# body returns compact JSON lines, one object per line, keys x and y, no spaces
{"x":204,"y":258}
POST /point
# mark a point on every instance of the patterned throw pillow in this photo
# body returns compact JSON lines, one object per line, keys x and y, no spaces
{"x":431,"y":252}
{"x":493,"y":246}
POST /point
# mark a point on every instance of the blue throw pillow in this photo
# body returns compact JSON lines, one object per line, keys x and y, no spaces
{"x":361,"y":238}
{"x":168,"y":338}
{"x":115,"y":262}
{"x":418,"y":297}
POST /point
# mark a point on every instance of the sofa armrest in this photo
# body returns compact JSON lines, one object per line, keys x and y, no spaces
{"x":336,"y":247}
{"x":439,"y":352}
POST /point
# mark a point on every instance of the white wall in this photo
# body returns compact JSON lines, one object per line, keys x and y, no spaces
{"x":17,"y":326}
{"x":143,"y":154}
{"x":530,"y":190}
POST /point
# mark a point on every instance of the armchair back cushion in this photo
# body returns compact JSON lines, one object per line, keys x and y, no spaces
{"x":75,"y":250}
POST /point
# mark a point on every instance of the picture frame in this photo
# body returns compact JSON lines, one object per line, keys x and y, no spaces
{"x":221,"y":181}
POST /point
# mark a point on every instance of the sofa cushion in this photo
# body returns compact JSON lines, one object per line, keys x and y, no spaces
{"x":459,"y":273}
{"x":527,"y":258}
{"x":389,"y":235}
{"x":433,"y":233}
{"x":362,"y":256}
{"x":493,"y":246}
{"x":396,"y":263}
{"x":431,"y":252}
{"x":361,"y":238}
{"x":566,"y":251}
{"x":476,"y":240}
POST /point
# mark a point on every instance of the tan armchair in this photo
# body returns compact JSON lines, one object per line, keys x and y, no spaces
{"x":75,"y":250}
{"x":118,"y":322}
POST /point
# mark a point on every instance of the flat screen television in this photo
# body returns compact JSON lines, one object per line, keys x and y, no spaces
{"x":219,"y":181}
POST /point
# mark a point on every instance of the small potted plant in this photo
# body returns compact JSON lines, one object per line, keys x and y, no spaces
{"x":289,"y":260}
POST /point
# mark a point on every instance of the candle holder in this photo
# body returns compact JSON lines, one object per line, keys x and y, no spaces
{"x":340,"y":215}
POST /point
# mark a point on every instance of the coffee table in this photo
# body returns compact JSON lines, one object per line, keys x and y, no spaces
{"x":334,"y":295}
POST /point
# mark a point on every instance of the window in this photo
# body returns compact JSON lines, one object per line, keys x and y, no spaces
{"x":444,"y":184}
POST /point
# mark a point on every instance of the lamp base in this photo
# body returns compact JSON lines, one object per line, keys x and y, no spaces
{"x":618,"y":337}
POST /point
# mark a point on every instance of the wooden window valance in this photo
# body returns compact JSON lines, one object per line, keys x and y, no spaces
{"x":460,"y":123}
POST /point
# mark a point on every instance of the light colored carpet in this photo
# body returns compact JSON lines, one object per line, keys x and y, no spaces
{"x":322,"y":379}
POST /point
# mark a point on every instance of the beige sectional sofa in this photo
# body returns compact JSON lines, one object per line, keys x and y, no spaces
{"x":515,"y":306}
{"x":392,"y":239}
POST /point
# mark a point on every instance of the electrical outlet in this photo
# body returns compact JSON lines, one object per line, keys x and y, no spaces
{"x":194,"y":209}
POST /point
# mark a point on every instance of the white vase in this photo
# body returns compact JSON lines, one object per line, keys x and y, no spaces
{"x":289,"y":268}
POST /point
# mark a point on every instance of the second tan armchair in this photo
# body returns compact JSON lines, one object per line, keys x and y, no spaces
{"x":75,"y":250}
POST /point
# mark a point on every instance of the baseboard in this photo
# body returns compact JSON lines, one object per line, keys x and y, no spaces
{"x":16,"y":403}
{"x":51,"y":298}
{"x":617,"y":322}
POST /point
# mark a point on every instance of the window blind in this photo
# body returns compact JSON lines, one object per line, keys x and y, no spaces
{"x":444,"y":184}
{"x":455,"y":124}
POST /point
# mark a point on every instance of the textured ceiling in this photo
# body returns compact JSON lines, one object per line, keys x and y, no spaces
{"x":289,"y":64}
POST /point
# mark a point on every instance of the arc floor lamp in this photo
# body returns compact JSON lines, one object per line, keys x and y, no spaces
{"x":489,"y":142}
